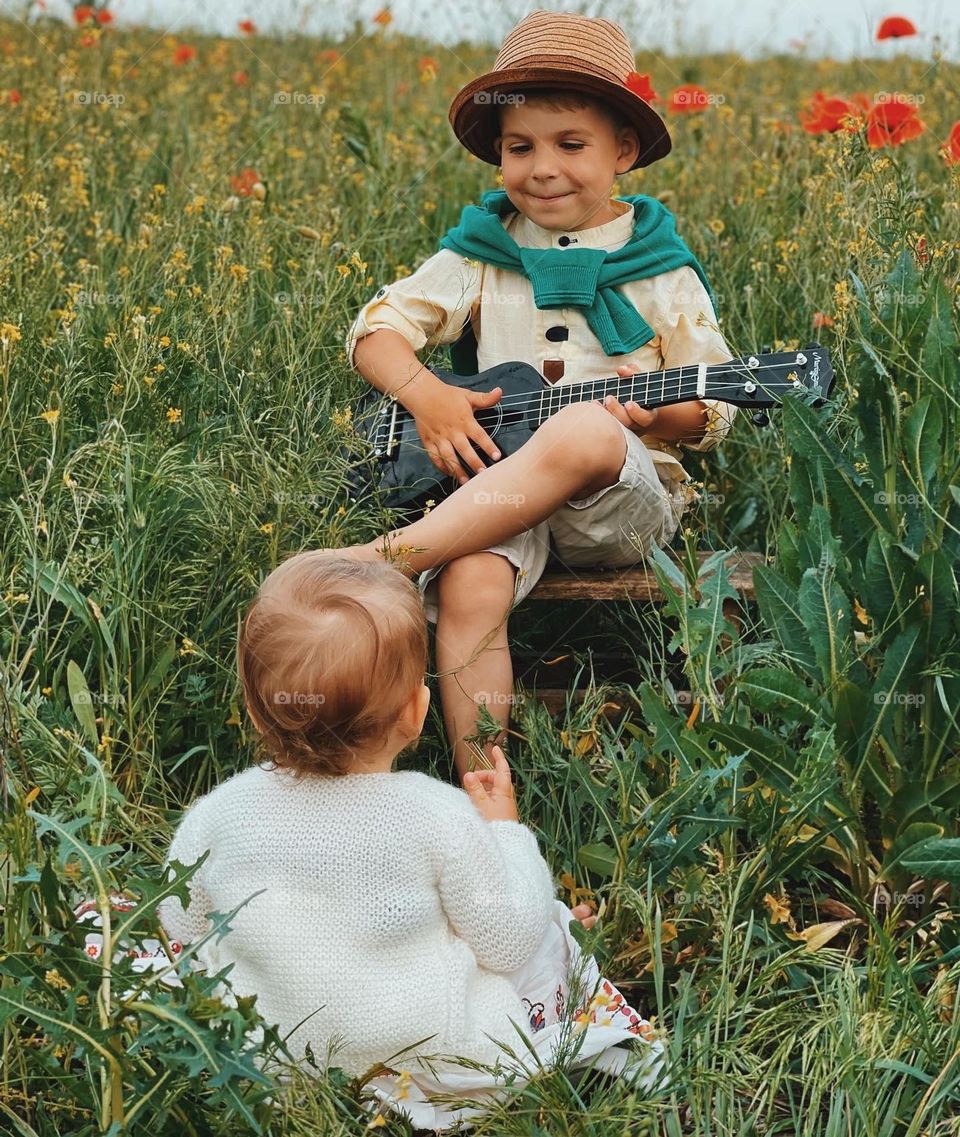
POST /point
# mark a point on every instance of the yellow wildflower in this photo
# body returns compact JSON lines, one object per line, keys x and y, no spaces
{"x":267,"y":527}
{"x":9,"y":333}
{"x":188,"y":647}
{"x":50,"y":416}
{"x":174,"y":415}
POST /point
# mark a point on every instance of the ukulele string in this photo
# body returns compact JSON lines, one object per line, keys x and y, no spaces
{"x":510,"y":400}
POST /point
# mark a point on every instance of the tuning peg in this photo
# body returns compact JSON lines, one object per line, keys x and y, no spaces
{"x":760,"y":418}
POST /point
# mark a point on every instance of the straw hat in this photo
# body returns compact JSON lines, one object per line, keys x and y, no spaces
{"x":573,"y":53}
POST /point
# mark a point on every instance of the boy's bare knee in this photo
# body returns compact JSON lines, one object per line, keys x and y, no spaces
{"x":478,"y":582}
{"x":586,"y":432}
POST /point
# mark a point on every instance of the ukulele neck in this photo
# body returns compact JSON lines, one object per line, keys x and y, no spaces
{"x":650,"y":389}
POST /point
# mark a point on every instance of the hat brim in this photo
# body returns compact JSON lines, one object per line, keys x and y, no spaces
{"x":475,"y":121}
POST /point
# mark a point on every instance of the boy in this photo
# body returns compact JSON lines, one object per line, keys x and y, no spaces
{"x":558,"y":114}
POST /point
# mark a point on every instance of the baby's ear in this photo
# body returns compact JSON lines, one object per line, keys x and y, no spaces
{"x":497,"y":143}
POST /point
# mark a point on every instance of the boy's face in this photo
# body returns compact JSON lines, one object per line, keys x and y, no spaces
{"x":559,"y":166}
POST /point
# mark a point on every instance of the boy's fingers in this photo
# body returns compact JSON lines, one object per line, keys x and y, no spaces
{"x":640,"y":415}
{"x":616,"y":409}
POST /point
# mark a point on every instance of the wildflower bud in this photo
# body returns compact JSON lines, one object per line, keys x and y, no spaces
{"x":259,"y":191}
{"x":230,"y":204}
{"x":306,"y":231}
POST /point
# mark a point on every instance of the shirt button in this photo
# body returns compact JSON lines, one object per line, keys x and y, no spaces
{"x":564,"y":240}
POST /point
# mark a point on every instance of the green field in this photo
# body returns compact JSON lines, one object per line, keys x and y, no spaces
{"x":778,"y":872}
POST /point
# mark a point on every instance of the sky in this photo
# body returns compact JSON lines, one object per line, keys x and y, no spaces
{"x":838,"y":29}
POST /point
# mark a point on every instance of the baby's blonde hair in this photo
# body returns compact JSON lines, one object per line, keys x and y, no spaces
{"x":329,"y":652}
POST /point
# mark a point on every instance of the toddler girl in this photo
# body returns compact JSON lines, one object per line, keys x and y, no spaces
{"x":391,"y":918}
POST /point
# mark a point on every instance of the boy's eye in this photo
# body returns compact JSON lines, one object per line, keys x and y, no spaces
{"x":520,"y":148}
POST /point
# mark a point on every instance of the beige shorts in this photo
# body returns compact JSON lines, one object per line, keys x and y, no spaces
{"x":612,"y":527}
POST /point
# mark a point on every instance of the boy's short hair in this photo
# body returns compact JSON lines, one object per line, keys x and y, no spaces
{"x":328,"y":654}
{"x":557,"y":99}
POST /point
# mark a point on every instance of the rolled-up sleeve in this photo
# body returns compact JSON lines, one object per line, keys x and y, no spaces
{"x":687,"y":337}
{"x":429,"y":307}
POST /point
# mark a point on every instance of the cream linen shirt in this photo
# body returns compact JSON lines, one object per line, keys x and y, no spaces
{"x":432,"y":305}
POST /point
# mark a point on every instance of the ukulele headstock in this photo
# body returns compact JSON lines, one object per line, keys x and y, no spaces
{"x":766,"y":380}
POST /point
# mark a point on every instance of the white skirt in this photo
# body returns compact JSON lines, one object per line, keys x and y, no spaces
{"x":577,"y":1020}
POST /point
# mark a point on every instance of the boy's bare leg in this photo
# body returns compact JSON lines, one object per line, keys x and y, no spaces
{"x":576,"y":452}
{"x":475,"y":595}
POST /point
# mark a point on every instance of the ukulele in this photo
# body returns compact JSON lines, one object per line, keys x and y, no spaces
{"x":394,"y":463}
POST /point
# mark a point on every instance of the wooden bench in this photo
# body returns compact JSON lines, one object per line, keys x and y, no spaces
{"x":636,"y":584}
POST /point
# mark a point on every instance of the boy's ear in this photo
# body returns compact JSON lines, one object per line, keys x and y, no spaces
{"x":629,"y":148}
{"x":497,"y":144}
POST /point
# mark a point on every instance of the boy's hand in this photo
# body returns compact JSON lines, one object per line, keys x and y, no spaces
{"x":491,"y":791}
{"x":446,"y":425}
{"x":631,"y":414}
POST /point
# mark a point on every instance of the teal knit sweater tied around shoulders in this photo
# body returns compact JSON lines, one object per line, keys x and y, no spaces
{"x":575,"y":277}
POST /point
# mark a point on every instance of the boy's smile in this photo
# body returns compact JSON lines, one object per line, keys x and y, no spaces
{"x":559,"y":166}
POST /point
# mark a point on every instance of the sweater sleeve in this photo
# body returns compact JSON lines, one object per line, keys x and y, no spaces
{"x":429,"y":307}
{"x":190,"y":841}
{"x":688,"y":337}
{"x":496,"y":889}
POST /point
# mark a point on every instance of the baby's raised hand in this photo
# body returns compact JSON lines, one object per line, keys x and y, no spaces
{"x":631,"y":414}
{"x":491,"y":791}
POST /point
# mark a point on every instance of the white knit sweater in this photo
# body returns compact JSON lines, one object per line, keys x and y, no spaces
{"x":386,"y":905}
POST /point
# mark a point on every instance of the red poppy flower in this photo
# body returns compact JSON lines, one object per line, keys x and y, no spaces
{"x":822,"y":320}
{"x":640,"y":85}
{"x":331,"y":55}
{"x":104,"y":17}
{"x":951,"y":152}
{"x":893,"y":122}
{"x":241,"y":79}
{"x":248,"y":27}
{"x":689,"y":97}
{"x":894,"y":27}
{"x":82,"y":13}
{"x":826,"y":116}
{"x":14,"y":97}
{"x":183,"y":53}
{"x":428,"y":68}
{"x":242,"y":184}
